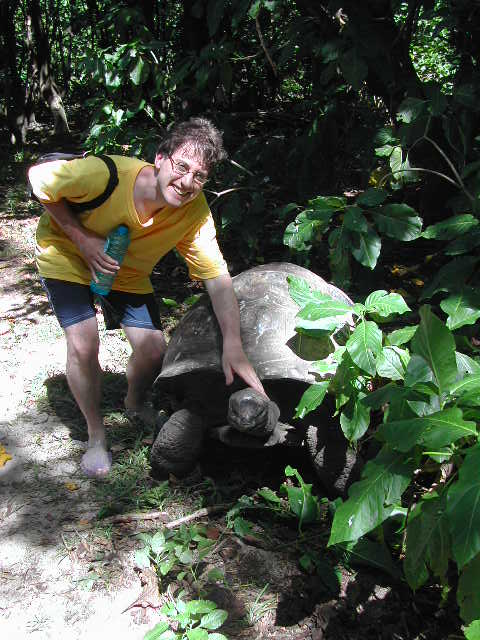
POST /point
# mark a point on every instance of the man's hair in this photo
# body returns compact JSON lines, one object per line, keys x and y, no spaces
{"x":201,"y":135}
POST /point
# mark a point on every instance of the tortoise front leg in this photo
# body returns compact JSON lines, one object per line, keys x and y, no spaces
{"x":178,"y":445}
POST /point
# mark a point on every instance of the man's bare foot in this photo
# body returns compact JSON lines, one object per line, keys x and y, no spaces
{"x":96,"y":461}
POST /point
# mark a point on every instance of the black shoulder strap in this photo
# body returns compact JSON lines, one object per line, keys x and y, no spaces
{"x":79,"y":207}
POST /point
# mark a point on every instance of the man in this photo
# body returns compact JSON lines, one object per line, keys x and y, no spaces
{"x":164,"y":207}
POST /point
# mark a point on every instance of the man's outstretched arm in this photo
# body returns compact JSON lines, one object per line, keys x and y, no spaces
{"x":225,"y":307}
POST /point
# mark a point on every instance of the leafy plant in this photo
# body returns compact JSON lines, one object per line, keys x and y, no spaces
{"x":175,"y":551}
{"x":192,"y":620}
{"x":430,"y":408}
{"x":300,"y":499}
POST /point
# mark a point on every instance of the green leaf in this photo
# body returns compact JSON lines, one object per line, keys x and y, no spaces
{"x":355,"y":418}
{"x":255,"y":8}
{"x":384,"y":304}
{"x":451,"y":277}
{"x":436,"y":430}
{"x":367,"y":248}
{"x":418,"y":371}
{"x":302,"y":503}
{"x":269,"y":495}
{"x":197,"y":634}
{"x":468,"y":591}
{"x":398,"y":221}
{"x":463,"y":509}
{"x":436,"y":345}
{"x":468,"y":384}
{"x":400,"y":336}
{"x":465,"y":244}
{"x":137,"y":71}
{"x":472,"y":632}
{"x":364,"y":344}
{"x":214,"y":620}
{"x":216,"y":575}
{"x":428,"y":541}
{"x":156,"y":632}
{"x":306,"y":228}
{"x":195,"y":607}
{"x":367,"y":553}
{"x":353,"y":68}
{"x":167,"y":565}
{"x":392,"y":363}
{"x":466,"y":364}
{"x":215,"y":12}
{"x":451,"y":227}
{"x":355,"y":220}
{"x":372,"y":499}
{"x":169,"y":302}
{"x":326,"y":308}
{"x":462,"y":308}
{"x":312,"y":398}
{"x":217,"y":636}
{"x":410,"y":109}
{"x":142,"y":559}
{"x":372,"y":197}
{"x":242,"y":527}
{"x":186,"y":557}
{"x":328,"y":203}
{"x":158,"y":542}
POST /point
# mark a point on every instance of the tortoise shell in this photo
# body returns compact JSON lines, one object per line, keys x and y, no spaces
{"x":267,"y":321}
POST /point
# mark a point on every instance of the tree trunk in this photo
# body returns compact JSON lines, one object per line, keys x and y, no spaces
{"x":42,"y":70}
{"x":17,"y":116}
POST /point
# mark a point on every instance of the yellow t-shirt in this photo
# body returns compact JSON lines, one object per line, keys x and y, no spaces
{"x":189,"y":228}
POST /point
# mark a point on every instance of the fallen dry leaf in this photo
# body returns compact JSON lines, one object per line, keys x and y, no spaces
{"x":71,"y":486}
{"x":4,"y":456}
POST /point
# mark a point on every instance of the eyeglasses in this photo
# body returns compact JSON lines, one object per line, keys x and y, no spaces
{"x":181,"y":169}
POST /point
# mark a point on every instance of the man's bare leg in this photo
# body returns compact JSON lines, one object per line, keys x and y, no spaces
{"x":148,"y":349}
{"x":84,"y":378}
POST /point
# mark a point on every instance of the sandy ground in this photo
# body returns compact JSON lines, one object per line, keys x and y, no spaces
{"x":46,"y":506}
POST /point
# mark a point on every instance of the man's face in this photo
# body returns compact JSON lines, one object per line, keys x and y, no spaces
{"x":180,"y":176}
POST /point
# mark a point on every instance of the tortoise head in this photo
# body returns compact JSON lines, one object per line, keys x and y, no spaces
{"x":251,"y":412}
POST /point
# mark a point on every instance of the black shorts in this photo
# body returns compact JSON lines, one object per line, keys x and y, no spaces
{"x":72,"y":303}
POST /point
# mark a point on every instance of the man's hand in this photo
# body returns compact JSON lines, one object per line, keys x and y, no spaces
{"x":225,"y":306}
{"x":234,"y":361}
{"x":89,"y":244}
{"x":91,"y":247}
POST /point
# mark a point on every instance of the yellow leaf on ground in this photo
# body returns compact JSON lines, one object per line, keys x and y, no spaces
{"x":417,"y":282}
{"x":71,"y":486}
{"x":4,"y":456}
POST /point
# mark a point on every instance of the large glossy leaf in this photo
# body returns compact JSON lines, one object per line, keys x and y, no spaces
{"x":392,"y":363}
{"x":432,"y":431}
{"x":214,"y":619}
{"x":389,"y":393}
{"x":367,"y":247}
{"x":364,"y":345}
{"x":451,"y":277}
{"x":355,"y":419}
{"x":451,"y":227}
{"x":434,"y":342}
{"x":156,"y":632}
{"x":215,"y":11}
{"x":463,"y":509}
{"x":400,"y":336}
{"x":418,"y":371}
{"x":372,"y":499}
{"x":384,"y":304}
{"x":301,"y":233}
{"x":410,"y":109}
{"x":398,"y":221}
{"x":428,"y":541}
{"x":465,"y":244}
{"x":354,"y":220}
{"x":326,"y":308}
{"x":462,"y":307}
{"x":466,"y":364}
{"x":354,"y":68}
{"x":372,"y":197}
{"x":368,"y":553}
{"x":468,"y":591}
{"x":312,"y":398}
{"x":470,"y":383}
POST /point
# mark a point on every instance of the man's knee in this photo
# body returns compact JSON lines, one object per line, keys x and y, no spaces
{"x":82,"y":342}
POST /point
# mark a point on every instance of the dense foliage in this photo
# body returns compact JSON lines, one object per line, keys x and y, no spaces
{"x":354,"y":132}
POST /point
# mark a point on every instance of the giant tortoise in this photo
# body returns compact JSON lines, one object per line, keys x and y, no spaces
{"x":192,"y":374}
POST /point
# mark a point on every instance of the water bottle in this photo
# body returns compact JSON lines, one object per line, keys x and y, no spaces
{"x":116,"y":246}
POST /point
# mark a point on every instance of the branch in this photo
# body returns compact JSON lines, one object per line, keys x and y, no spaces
{"x":264,"y":47}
